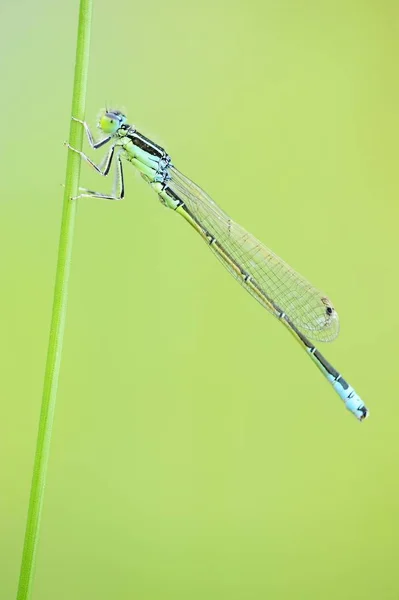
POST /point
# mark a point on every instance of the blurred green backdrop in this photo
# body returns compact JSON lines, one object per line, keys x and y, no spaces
{"x":197,"y":452}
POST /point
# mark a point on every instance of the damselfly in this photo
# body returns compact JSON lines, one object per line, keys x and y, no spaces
{"x":304,"y":310}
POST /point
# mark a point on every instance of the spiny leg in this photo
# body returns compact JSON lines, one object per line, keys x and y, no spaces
{"x":118,"y":191}
{"x":104,"y":166}
{"x":93,"y":144}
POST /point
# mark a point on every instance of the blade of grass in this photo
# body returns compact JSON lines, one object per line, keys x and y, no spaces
{"x":59,"y":309}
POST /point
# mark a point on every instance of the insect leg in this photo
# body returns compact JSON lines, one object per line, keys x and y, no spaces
{"x":118,"y":192}
{"x":93,"y":144}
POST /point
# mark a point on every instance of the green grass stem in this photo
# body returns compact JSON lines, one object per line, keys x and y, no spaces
{"x":59,"y":309}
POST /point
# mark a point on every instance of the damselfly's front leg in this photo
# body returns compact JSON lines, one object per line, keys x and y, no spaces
{"x":93,"y":144}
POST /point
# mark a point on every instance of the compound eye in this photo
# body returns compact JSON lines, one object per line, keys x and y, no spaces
{"x":110,"y":123}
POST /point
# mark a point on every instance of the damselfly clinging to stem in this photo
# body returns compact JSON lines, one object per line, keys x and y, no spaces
{"x":304,"y":310}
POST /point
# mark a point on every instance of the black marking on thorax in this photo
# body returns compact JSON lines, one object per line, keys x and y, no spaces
{"x":144,"y":143}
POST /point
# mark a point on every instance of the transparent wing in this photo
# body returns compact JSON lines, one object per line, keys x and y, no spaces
{"x":307,"y":307}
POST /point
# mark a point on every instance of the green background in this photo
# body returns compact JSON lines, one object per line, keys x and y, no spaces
{"x":197,"y":452}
